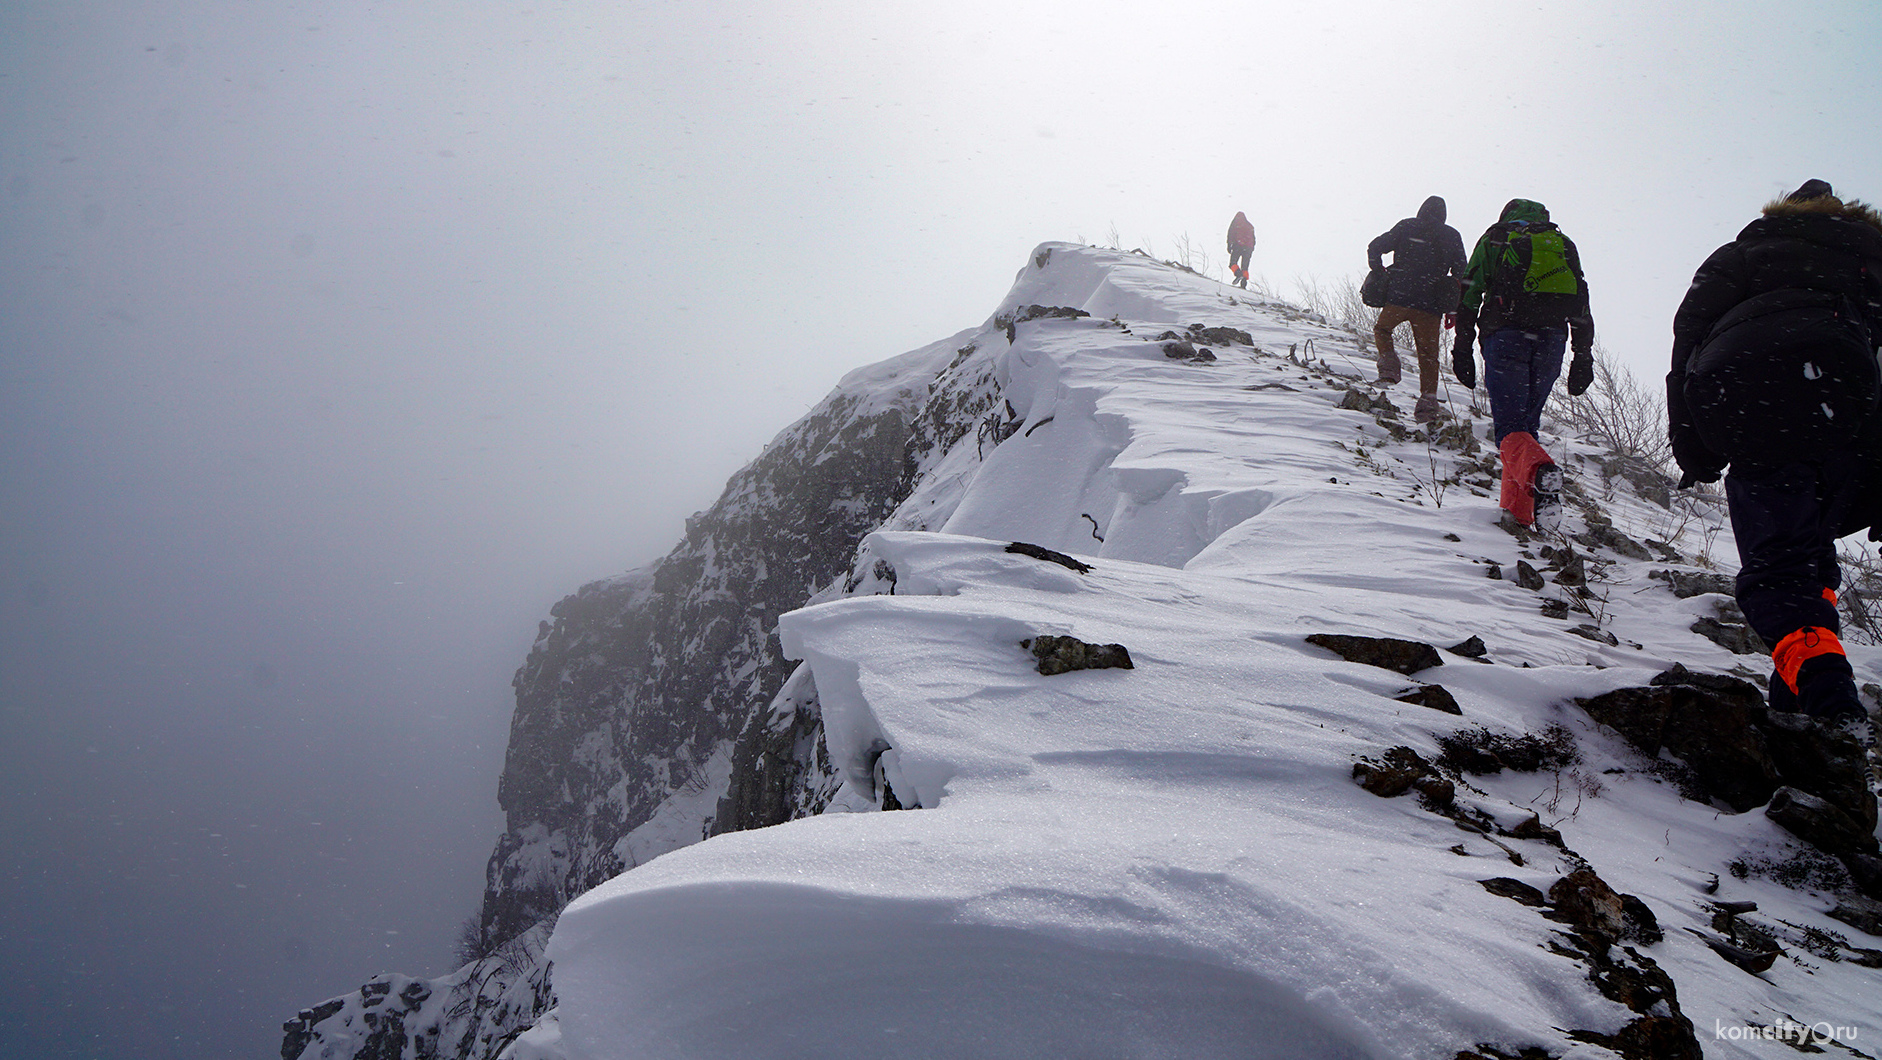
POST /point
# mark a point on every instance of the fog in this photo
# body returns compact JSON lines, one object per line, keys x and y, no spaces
{"x":339,"y":341}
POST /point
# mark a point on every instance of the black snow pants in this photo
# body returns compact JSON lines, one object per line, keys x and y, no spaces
{"x":1786,"y":518}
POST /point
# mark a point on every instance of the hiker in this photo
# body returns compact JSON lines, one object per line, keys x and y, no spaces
{"x":1525,"y":292}
{"x":1421,"y":285}
{"x":1241,"y":245}
{"x":1774,"y":375}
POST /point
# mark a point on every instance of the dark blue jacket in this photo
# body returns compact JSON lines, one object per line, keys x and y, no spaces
{"x":1427,"y":260}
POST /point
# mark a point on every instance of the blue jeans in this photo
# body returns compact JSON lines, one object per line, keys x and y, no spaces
{"x":1519,"y":369}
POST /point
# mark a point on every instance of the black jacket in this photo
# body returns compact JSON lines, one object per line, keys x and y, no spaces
{"x":1822,"y":245}
{"x":1427,"y":260}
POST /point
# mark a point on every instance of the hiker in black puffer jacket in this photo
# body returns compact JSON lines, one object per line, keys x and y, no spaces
{"x":1421,"y":285}
{"x":1774,"y":374}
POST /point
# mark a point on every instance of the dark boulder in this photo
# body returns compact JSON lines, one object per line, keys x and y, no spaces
{"x":1826,"y":763}
{"x":1404,"y":656}
{"x":1709,"y":728}
{"x":1819,"y":823}
{"x":1437,"y":697}
{"x":1059,"y":655}
{"x":1527,"y":576}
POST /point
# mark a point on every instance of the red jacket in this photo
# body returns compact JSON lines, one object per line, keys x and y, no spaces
{"x":1241,"y":233}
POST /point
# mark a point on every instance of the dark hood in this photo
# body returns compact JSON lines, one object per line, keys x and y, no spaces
{"x":1525,"y":211}
{"x":1432,"y":212}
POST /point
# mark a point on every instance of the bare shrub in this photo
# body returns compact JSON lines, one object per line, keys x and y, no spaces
{"x":1338,"y":301}
{"x":1860,"y":598}
{"x":1191,"y":256}
{"x":1618,"y":413}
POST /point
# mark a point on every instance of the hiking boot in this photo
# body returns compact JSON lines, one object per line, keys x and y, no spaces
{"x":1427,"y":410}
{"x":1826,"y":690}
{"x":1548,"y":497}
{"x":1389,"y":374}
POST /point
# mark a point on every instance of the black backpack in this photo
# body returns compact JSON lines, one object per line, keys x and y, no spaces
{"x":1787,"y":375}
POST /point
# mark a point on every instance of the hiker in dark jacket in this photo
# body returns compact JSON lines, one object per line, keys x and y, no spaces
{"x":1241,"y":246}
{"x":1774,"y":374}
{"x":1421,"y":285}
{"x":1525,"y":292}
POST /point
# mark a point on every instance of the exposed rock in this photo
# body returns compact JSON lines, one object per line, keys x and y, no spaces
{"x":1866,"y":871}
{"x":1527,"y":576}
{"x":1459,"y":437}
{"x":1221,"y":336}
{"x":1863,"y":914}
{"x":1710,"y":730}
{"x":1585,"y":902}
{"x":1471,"y":648}
{"x":1824,"y":762}
{"x":1184,"y":350}
{"x":1817,"y":822}
{"x":1060,"y":558}
{"x":1603,"y":535}
{"x":1358,"y":400}
{"x":1487,"y":1051}
{"x":1504,"y":887}
{"x":1481,"y":752}
{"x":298,"y":1032}
{"x":1574,"y":572}
{"x":1596,"y":634}
{"x":1602,"y":922}
{"x":1403,"y":770}
{"x":1739,"y":691}
{"x":780,"y":767}
{"x":1620,"y":972}
{"x":1642,"y":925}
{"x":1687,"y":584}
{"x":1437,"y":697}
{"x":473,"y":1012}
{"x":1552,"y":608}
{"x":1404,"y":656}
{"x":1036,"y":312}
{"x":1737,"y":639}
{"x":1531,"y":827}
{"x":1058,"y":655}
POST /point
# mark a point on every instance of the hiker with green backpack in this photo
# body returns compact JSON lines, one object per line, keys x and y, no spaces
{"x":1525,"y":292}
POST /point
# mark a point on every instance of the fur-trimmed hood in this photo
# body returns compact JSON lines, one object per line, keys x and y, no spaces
{"x":1826,"y":205}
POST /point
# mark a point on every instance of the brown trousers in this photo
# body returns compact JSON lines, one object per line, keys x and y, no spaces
{"x":1425,"y":327}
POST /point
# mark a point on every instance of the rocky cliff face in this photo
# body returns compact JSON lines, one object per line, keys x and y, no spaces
{"x":654,"y":709}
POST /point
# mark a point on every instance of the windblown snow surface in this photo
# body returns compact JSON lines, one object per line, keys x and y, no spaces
{"x":1174,"y":860}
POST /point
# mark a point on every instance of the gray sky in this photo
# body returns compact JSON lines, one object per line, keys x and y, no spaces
{"x":338,"y":341}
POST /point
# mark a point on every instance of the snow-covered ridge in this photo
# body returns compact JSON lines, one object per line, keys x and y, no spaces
{"x":1175,"y":859}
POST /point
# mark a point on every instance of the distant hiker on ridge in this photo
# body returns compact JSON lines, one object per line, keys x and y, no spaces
{"x":1420,"y":286}
{"x":1524,"y":288}
{"x":1241,"y":245}
{"x":1774,"y":373}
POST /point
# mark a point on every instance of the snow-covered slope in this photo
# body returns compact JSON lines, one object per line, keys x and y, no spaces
{"x":1175,"y":859}
{"x":1242,"y":845}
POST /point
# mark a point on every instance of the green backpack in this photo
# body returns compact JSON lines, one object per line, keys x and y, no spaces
{"x":1530,"y":276}
{"x":1534,"y":261}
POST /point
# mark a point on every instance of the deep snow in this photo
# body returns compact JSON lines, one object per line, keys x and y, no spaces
{"x":1174,"y":860}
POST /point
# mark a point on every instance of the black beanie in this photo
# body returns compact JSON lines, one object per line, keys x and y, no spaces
{"x":1812,"y":189}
